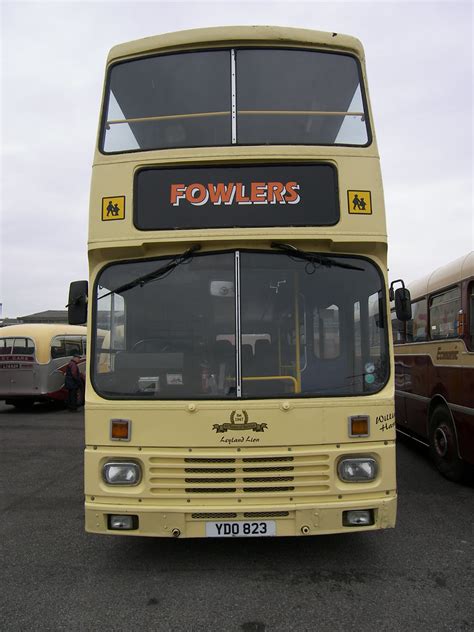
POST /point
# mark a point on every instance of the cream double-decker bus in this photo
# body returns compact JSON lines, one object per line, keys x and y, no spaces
{"x":238,"y":267}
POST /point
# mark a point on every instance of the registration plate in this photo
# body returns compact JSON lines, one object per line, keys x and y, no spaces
{"x":257,"y":528}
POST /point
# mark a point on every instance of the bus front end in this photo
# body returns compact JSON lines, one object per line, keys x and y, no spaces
{"x":240,"y":376}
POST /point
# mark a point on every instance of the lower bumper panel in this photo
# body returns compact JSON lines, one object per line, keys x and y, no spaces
{"x":176,"y":522}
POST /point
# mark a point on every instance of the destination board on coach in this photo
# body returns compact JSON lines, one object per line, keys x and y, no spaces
{"x":237,"y":196}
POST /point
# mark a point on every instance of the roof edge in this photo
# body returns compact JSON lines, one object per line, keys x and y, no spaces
{"x":217,"y":35}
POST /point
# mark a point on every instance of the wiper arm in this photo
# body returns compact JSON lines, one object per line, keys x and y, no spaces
{"x":156,"y":274}
{"x":311,"y":257}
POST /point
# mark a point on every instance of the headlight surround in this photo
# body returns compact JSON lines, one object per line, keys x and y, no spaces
{"x":361,"y":469}
{"x":121,"y":473}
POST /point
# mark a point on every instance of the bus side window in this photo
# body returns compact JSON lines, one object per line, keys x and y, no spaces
{"x":30,"y":347}
{"x":417,"y":326}
{"x":64,"y":346}
{"x":6,"y":345}
{"x":23,"y":346}
{"x":58,"y":349}
{"x":73,"y":345}
{"x":398,"y":329}
{"x":444,"y":310}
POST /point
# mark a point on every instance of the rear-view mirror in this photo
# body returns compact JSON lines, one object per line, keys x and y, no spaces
{"x":403,"y":304}
{"x":402,"y":300}
{"x":77,"y":303}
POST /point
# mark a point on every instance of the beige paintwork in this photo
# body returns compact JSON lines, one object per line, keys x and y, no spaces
{"x":237,"y":36}
{"x":308,"y":428}
{"x":444,"y":276}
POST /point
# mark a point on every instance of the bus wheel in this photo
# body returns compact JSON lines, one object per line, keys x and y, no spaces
{"x":443,"y":445}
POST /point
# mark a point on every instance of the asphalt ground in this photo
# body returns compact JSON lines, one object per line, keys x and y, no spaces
{"x":54,"y":576}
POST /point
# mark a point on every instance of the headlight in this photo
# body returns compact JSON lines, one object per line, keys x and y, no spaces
{"x":121,"y":473}
{"x":356,"y":470}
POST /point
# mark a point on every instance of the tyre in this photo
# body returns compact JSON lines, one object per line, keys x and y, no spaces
{"x":444,"y":445}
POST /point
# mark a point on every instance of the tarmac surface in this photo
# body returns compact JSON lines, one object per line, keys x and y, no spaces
{"x":54,"y":576}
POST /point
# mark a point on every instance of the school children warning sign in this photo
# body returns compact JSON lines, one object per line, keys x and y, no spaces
{"x":359,"y":202}
{"x":237,"y":196}
{"x":113,"y":208}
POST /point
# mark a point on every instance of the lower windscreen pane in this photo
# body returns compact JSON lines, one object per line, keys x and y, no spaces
{"x":170,"y":336}
{"x":166,"y":329}
{"x":311,"y":330}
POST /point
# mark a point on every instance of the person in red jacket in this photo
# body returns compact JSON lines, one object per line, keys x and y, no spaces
{"x":73,"y":382}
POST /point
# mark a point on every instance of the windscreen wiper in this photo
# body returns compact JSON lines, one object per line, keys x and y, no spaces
{"x":159,"y":273}
{"x":315,"y":259}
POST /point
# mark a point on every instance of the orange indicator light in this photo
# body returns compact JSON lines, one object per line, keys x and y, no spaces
{"x":120,"y":429}
{"x":359,"y":426}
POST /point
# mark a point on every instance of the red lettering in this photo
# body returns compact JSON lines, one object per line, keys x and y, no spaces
{"x":221,"y":193}
{"x":258,"y":192}
{"x":202,"y":194}
{"x":176,"y":190}
{"x":292,"y":197}
{"x":240,"y":196}
{"x":199,"y":194}
{"x":275,"y":192}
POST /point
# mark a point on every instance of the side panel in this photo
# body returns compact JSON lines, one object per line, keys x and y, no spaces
{"x":54,"y":380}
{"x":441,"y":368}
{"x":417,"y":392}
{"x":400,"y":387}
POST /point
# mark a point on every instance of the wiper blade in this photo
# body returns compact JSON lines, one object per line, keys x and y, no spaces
{"x":155,"y":274}
{"x":313,"y":258}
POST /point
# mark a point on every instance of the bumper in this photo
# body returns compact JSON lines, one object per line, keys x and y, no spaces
{"x":324,"y":518}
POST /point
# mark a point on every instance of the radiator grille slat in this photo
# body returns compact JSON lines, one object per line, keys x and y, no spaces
{"x":196,"y":460}
{"x":254,"y":515}
{"x":213,"y":516}
{"x":266,"y":514}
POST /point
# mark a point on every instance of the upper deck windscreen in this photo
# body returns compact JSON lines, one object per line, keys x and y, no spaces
{"x":223,"y":97}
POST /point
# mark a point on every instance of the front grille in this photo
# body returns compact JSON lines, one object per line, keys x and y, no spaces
{"x":213,"y":516}
{"x":255,"y":515}
{"x":262,"y":479}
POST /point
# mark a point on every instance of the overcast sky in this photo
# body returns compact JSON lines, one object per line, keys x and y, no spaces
{"x":419,"y":64}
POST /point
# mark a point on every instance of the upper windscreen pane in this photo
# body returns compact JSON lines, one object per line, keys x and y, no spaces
{"x":168,"y":101}
{"x":299,"y":97}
